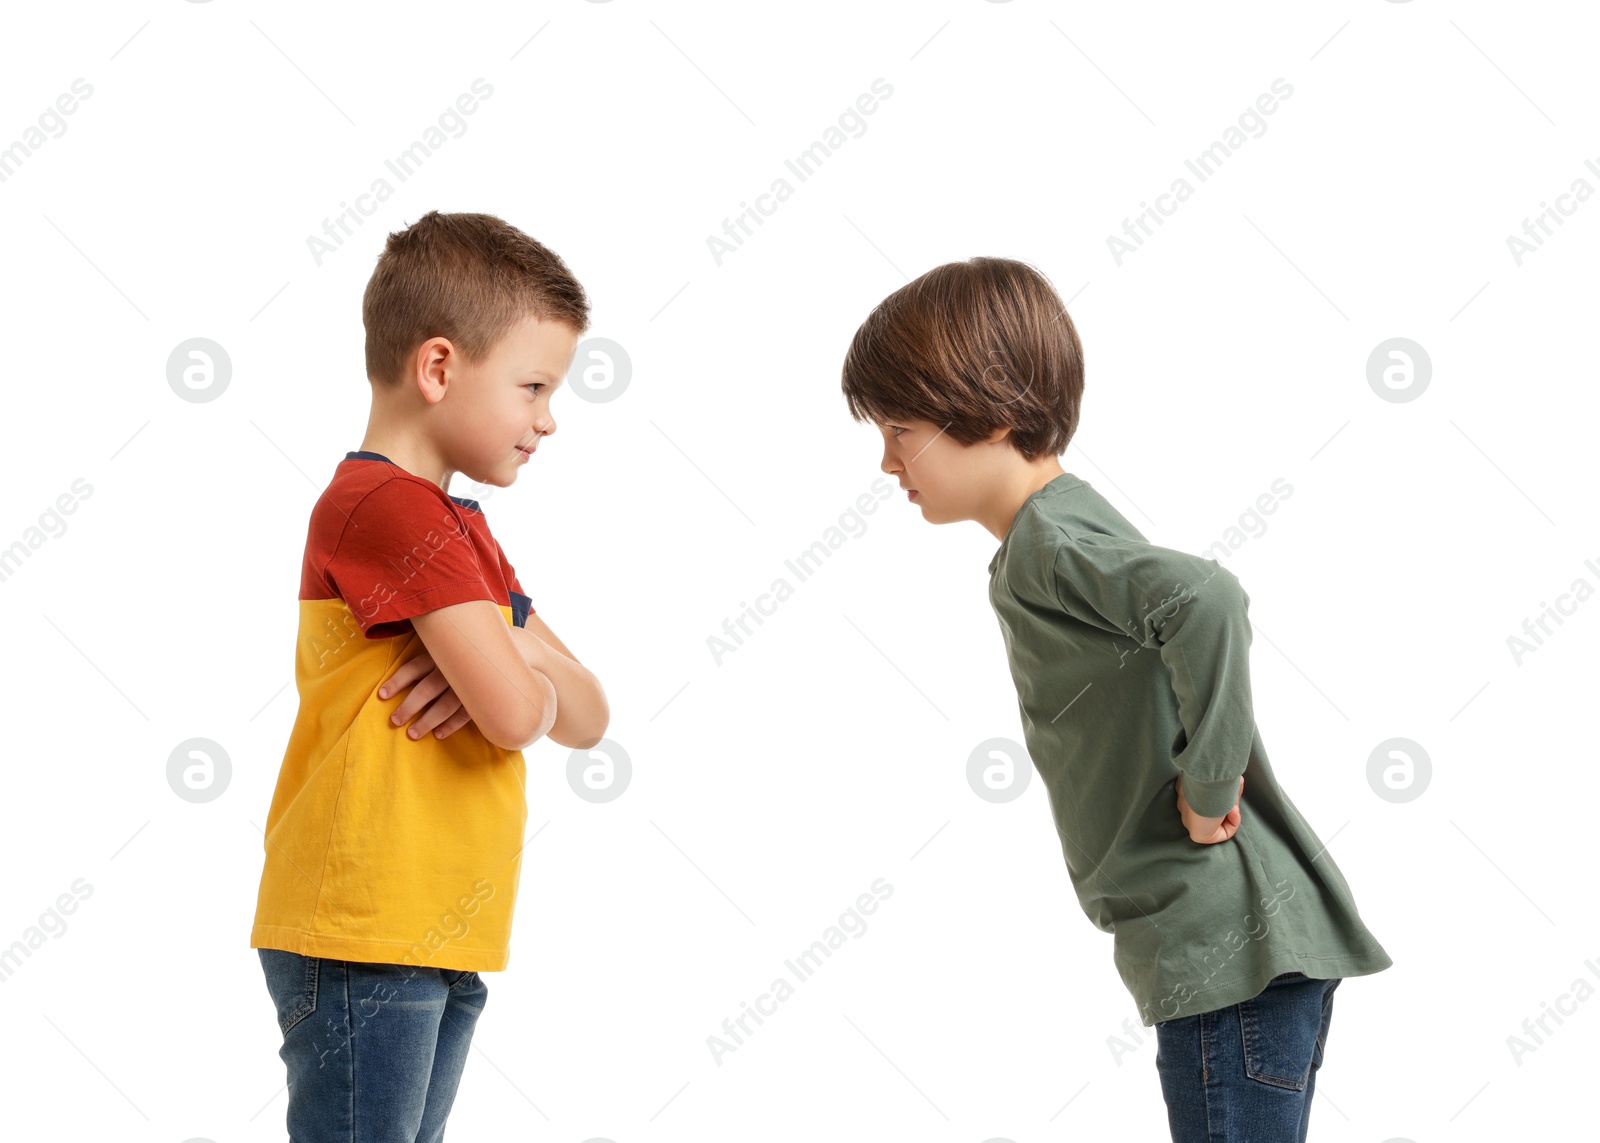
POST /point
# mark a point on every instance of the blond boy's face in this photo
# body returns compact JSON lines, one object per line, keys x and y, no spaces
{"x":500,"y":408}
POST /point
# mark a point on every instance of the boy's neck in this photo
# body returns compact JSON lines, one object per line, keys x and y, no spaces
{"x":406,"y":451}
{"x":1028,"y":479}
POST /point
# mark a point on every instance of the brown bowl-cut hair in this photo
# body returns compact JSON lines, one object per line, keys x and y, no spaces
{"x":468,"y":277}
{"x":971,"y":347}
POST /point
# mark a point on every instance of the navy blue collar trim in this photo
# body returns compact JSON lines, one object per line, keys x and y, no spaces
{"x":359,"y":454}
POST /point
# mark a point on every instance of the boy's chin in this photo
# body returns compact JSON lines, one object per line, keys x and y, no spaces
{"x":492,"y":479}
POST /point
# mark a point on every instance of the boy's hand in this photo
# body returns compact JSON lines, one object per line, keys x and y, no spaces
{"x":444,"y":714}
{"x":1208,"y":831}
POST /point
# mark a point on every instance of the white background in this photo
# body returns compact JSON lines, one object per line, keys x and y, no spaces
{"x":830,"y":750}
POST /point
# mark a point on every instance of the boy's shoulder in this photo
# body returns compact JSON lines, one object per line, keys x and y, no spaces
{"x":367,"y":490}
{"x":360,"y":474}
{"x":372,"y":509}
{"x":1069,"y":509}
{"x":392,"y":544}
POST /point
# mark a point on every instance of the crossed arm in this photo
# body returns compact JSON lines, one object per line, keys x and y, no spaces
{"x":571,"y":691}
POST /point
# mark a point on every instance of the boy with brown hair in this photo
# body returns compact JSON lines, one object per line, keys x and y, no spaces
{"x":393,"y":856}
{"x":1232,"y":924}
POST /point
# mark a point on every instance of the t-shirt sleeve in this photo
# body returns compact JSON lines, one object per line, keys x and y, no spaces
{"x":403,"y":553}
{"x":1194,"y":612}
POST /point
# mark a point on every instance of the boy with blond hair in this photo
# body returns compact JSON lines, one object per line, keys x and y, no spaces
{"x":1232,"y":924}
{"x":394,"y":840}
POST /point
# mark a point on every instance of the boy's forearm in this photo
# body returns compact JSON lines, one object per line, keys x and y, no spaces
{"x":582,"y":713}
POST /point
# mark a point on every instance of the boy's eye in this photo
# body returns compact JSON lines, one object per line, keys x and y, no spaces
{"x":897,"y":429}
{"x":534,"y":385}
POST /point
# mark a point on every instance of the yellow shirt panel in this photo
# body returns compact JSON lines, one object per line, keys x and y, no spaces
{"x":379,"y":847}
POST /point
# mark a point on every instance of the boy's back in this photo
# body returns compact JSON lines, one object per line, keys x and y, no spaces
{"x":1130,"y":660}
{"x":380,"y":847}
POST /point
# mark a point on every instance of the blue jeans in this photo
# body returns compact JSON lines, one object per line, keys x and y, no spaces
{"x":374,"y":1051}
{"x":1246,"y":1072}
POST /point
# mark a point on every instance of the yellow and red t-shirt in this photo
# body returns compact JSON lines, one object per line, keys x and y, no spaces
{"x":380,"y":847}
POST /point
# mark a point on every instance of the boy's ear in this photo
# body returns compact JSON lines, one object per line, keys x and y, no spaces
{"x":429,"y":368}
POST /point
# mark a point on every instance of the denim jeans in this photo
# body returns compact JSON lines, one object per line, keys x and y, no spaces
{"x":1247,"y":1072}
{"x":374,"y":1051}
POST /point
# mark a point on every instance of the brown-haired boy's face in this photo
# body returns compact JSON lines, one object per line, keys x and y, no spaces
{"x":500,"y":408}
{"x":949,"y":481}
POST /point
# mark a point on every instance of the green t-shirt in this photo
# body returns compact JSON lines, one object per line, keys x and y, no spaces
{"x":1132,"y":665}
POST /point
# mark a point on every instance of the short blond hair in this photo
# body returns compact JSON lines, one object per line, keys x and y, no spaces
{"x":468,"y":277}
